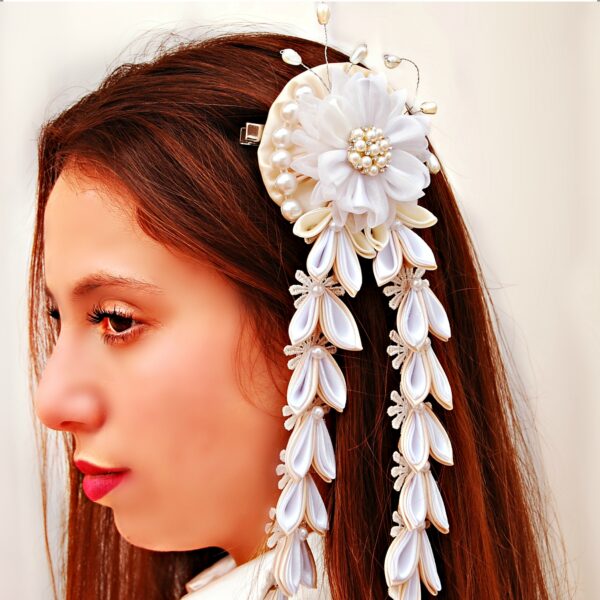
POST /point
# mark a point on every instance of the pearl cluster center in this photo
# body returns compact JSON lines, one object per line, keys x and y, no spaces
{"x":369,"y":151}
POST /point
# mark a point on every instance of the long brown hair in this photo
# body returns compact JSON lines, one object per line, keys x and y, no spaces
{"x":167,"y":130}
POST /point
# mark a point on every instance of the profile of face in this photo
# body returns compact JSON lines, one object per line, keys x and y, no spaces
{"x":152,"y":387}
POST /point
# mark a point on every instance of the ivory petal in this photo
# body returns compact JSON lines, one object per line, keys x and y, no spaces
{"x":411,"y":319}
{"x":322,"y":254}
{"x":436,"y":315}
{"x":347,"y":267}
{"x":324,"y":455}
{"x":289,"y":564}
{"x":312,"y":222}
{"x":303,"y":383}
{"x":416,"y":251}
{"x":414,"y":443}
{"x":427,"y":566}
{"x":305,"y":319}
{"x":388,"y":261}
{"x":331,"y":382}
{"x":361,"y":244}
{"x":300,"y":447}
{"x":415,"y":379}
{"x":402,"y":557}
{"x":440,"y":386}
{"x":338,"y":324}
{"x":378,"y":236}
{"x":412,"y":504}
{"x":316,"y":513}
{"x":291,"y":505}
{"x":439,"y":442}
{"x":415,"y":215}
{"x":436,"y":510}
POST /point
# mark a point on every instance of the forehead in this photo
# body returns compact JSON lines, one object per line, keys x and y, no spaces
{"x":89,"y":229}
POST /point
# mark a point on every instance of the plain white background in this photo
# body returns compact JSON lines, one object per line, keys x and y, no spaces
{"x":517,"y":130}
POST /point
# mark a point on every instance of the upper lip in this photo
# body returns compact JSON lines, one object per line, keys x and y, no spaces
{"x":88,"y":468}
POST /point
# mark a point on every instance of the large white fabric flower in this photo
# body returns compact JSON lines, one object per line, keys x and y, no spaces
{"x":360,"y":101}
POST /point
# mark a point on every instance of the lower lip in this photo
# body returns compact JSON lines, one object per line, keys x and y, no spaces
{"x":97,"y":486}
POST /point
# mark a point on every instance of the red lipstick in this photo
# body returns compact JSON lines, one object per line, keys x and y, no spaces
{"x":98,"y":481}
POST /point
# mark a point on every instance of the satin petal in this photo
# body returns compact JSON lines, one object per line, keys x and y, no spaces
{"x":402,"y":557}
{"x":322,"y":254}
{"x":291,"y":505}
{"x":416,"y":251}
{"x":331,"y":382}
{"x":300,"y":447}
{"x":305,"y":319}
{"x":324,"y":455}
{"x":439,"y":442}
{"x":436,"y":314}
{"x":338,"y":324}
{"x":388,"y":261}
{"x":303,"y":384}
{"x":316,"y":513}
{"x":411,"y":319}
{"x":415,"y":380}
{"x":412,"y":504}
{"x":414,"y":444}
{"x":347,"y":267}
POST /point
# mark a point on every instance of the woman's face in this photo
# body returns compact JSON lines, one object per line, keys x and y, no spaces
{"x":153,"y":389}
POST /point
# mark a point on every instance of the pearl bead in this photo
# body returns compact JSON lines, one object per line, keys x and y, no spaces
{"x":366,"y":161}
{"x":289,"y":112}
{"x":291,"y":210}
{"x":282,"y":137}
{"x":317,"y":352}
{"x":354,"y":157}
{"x":373,"y":170}
{"x":371,"y":133}
{"x":374,"y":149}
{"x":381,"y":161}
{"x":317,"y":289}
{"x":356,"y":134}
{"x":360,"y":145}
{"x":281,"y":159}
{"x":384,"y":144}
{"x":302,"y":533}
{"x":318,"y":412}
{"x":286,"y":182}
{"x":302,"y":89}
{"x":426,"y":282}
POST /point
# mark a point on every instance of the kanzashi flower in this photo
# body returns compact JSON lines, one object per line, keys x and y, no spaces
{"x":363,"y":152}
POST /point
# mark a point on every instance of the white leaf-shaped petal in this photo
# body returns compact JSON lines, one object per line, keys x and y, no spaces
{"x":303,"y":383}
{"x":413,"y":500}
{"x":291,"y":505}
{"x":436,"y":314}
{"x":439,"y":442}
{"x":338,"y":324}
{"x":416,"y":251}
{"x":414,"y":444}
{"x":347,"y":267}
{"x":324,"y":455}
{"x":402,"y":557}
{"x":309,"y":569}
{"x":322,"y":254}
{"x":312,"y":222}
{"x":300,"y":447}
{"x":332,"y":384}
{"x":289,"y":563}
{"x":427,"y":567}
{"x":436,"y":510}
{"x":388,"y":261}
{"x":412,"y":589}
{"x":411,"y":319}
{"x":305,"y":319}
{"x":440,"y":386}
{"x":415,"y":379}
{"x":316,"y":513}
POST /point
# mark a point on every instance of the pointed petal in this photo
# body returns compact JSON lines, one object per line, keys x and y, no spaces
{"x":300,"y":447}
{"x":316,"y":513}
{"x":412,"y":319}
{"x":346,"y":267}
{"x":412,"y":589}
{"x":309,"y":570}
{"x":322,"y":254}
{"x":312,"y":222}
{"x":436,"y":314}
{"x":414,"y":444}
{"x":378,"y":236}
{"x":414,"y":215}
{"x":416,"y":251}
{"x":413,"y":500}
{"x":436,"y":510}
{"x":415,"y":380}
{"x":291,"y":505}
{"x":338,"y":324}
{"x":303,"y":383}
{"x":388,"y":261}
{"x":402,"y":557}
{"x":324,"y":456}
{"x":334,"y":167}
{"x":427,"y":566}
{"x":332,"y":384}
{"x":439,"y":442}
{"x":334,"y":126}
{"x":289,"y":563}
{"x":405,"y":176}
{"x":440,"y":386}
{"x":370,"y":97}
{"x":361,"y":244}
{"x":406,"y":133}
{"x":305,"y":319}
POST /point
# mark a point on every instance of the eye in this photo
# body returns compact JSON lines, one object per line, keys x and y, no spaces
{"x":120,"y":323}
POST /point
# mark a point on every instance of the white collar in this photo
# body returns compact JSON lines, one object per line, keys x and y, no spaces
{"x":251,"y":580}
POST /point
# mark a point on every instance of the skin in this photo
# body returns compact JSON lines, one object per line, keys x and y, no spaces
{"x":164,"y":403}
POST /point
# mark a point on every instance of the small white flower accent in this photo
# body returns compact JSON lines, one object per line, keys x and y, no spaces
{"x":398,"y":410}
{"x":401,"y":284}
{"x":396,"y":529}
{"x":398,"y":350}
{"x":400,"y":471}
{"x":307,"y":283}
{"x":392,"y":147}
{"x":300,"y":349}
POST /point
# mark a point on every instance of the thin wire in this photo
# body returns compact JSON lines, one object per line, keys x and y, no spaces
{"x":326,"y":61}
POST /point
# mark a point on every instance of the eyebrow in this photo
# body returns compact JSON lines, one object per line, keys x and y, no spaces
{"x":89,"y":283}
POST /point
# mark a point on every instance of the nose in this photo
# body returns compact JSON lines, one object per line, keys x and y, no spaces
{"x":68,"y":395}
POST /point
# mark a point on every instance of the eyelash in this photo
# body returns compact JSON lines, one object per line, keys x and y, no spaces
{"x":98,"y":314}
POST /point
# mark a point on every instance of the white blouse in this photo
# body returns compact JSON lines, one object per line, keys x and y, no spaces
{"x":252,"y":580}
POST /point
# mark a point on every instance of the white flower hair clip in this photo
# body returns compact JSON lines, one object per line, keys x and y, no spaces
{"x":347,"y":160}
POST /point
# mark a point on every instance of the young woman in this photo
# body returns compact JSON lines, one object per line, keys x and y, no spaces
{"x":159,"y":307}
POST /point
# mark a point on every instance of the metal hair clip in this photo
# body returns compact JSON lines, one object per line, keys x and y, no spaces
{"x":251,"y":134}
